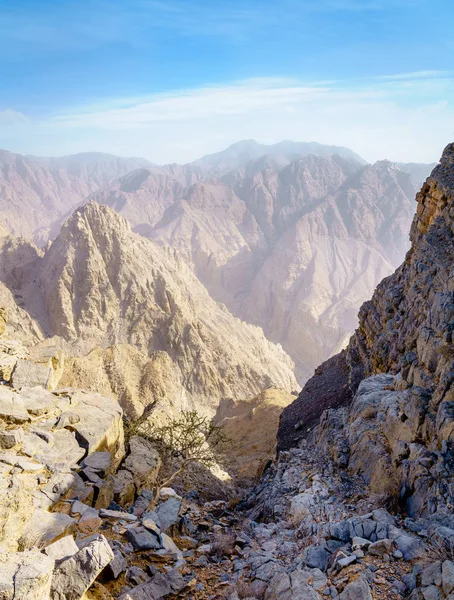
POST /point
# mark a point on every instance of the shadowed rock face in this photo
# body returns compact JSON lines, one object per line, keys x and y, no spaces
{"x":405,"y":331}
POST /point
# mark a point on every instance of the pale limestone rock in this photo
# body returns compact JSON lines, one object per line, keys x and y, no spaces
{"x":25,"y":576}
{"x":30,"y":374}
{"x":11,"y":437}
{"x":62,"y":549}
{"x":74,"y":576}
{"x":16,"y":507}
{"x":44,"y":528}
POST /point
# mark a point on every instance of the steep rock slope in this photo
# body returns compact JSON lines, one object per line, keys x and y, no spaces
{"x":307,"y":292}
{"x":35,"y":193}
{"x":99,"y":285}
{"x":397,"y":372}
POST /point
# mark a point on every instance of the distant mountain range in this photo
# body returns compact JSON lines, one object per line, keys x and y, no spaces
{"x":291,"y":237}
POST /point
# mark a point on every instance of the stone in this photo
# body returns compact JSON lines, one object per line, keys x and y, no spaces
{"x":447,"y":576}
{"x":124,"y":488}
{"x":358,"y":542}
{"x":58,"y":486}
{"x":100,"y":427}
{"x":117,"y":514}
{"x":136,"y":575}
{"x":168,"y":512}
{"x":98,"y":461}
{"x":12,"y":408}
{"x":346,"y":560}
{"x":143,"y":462}
{"x":410,"y":545}
{"x":169,"y":545}
{"x":30,"y":374}
{"x":313,"y":577}
{"x":117,"y":565}
{"x":62,"y":549}
{"x":380,"y":547}
{"x":45,"y":527}
{"x":301,"y":505}
{"x":25,"y":576}
{"x":410,"y":581}
{"x":89,"y":522}
{"x":16,"y":508}
{"x":167,"y":492}
{"x":432,"y":574}
{"x":142,"y":503}
{"x":11,"y":437}
{"x":162,"y":584}
{"x":431,"y":593}
{"x":316,"y":557}
{"x":75,"y":575}
{"x":141,"y":539}
{"x":357,"y":590}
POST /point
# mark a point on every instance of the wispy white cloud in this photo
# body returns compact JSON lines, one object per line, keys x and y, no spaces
{"x":407,"y":117}
{"x":12,"y":117}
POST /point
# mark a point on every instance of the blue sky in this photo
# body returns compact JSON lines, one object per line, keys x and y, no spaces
{"x":171,"y":80}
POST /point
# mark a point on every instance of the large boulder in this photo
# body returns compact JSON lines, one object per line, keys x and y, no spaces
{"x":74,"y":576}
{"x":25,"y":576}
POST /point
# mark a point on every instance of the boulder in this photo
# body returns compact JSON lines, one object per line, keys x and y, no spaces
{"x":162,"y":584}
{"x":124,"y":488}
{"x":143,"y":539}
{"x":16,"y":508}
{"x":44,"y":528}
{"x":316,"y":557}
{"x":167,"y":513}
{"x":143,"y":462}
{"x":62,"y":549}
{"x":11,"y":437}
{"x":447,"y":576}
{"x":12,"y":408}
{"x":100,"y":427}
{"x":25,"y":576}
{"x":76,"y":574}
{"x":30,"y":374}
{"x":357,"y":590}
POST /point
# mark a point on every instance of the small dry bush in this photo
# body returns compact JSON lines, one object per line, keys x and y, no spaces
{"x":223,"y":545}
{"x":439,"y":550}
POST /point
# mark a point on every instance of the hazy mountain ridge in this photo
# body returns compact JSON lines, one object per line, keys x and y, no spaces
{"x":36,"y":193}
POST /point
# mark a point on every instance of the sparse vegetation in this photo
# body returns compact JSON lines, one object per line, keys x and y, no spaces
{"x":439,"y":550}
{"x":183,"y":440}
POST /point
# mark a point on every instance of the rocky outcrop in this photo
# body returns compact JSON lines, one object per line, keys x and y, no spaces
{"x":397,"y":372}
{"x":251,"y":428}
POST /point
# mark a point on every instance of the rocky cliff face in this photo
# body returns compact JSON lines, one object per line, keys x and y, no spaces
{"x":395,"y":378}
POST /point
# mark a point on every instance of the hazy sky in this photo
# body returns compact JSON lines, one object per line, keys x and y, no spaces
{"x":171,"y":80}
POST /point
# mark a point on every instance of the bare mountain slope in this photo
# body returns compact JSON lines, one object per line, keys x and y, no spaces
{"x":284,"y":245}
{"x":35,"y":193}
{"x":99,"y":284}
